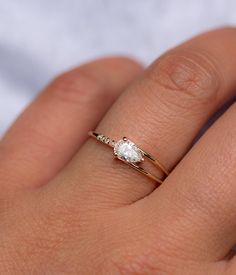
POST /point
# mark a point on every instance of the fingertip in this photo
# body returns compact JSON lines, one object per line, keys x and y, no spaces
{"x":130,"y":63}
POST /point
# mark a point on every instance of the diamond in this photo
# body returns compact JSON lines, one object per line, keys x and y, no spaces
{"x":127,"y":151}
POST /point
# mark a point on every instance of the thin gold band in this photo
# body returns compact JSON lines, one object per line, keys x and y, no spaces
{"x":112,"y":143}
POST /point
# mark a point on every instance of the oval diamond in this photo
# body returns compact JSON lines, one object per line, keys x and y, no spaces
{"x":127,"y":151}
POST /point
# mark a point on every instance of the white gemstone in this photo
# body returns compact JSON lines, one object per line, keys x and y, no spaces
{"x":126,"y":150}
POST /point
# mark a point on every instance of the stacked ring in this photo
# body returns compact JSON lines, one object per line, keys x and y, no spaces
{"x":129,"y":153}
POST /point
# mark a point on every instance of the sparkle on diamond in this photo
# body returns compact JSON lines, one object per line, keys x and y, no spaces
{"x":126,"y":150}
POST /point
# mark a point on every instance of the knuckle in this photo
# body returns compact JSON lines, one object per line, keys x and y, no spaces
{"x":189,"y":76}
{"x":161,"y":253}
{"x":76,"y":86}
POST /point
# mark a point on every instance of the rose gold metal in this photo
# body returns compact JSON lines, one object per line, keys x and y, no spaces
{"x":111,"y":143}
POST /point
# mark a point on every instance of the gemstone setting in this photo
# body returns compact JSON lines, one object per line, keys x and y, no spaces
{"x":128,"y":151}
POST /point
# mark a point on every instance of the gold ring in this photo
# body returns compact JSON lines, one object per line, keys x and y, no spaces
{"x":129,"y":153}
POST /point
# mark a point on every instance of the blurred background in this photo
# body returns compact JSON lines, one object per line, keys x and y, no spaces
{"x":40,"y":39}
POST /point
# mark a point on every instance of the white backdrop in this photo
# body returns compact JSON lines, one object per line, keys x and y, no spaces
{"x":39,"y":39}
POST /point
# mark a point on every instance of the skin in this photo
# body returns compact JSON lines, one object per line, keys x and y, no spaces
{"x":67,"y":207}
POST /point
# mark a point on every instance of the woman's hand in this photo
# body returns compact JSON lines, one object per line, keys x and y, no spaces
{"x":67,"y":207}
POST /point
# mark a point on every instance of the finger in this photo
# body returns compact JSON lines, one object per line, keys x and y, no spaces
{"x":162,"y":112}
{"x":197,"y":201}
{"x":52,"y":129}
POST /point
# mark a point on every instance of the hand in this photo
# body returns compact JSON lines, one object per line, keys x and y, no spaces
{"x":67,"y":207}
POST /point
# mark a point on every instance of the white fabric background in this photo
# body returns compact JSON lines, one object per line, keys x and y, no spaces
{"x":39,"y":39}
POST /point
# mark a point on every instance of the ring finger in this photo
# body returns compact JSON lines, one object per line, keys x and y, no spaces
{"x":162,"y":112}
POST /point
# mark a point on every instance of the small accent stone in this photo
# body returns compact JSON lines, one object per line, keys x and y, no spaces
{"x":112,"y":143}
{"x":127,"y":151}
{"x":99,"y":137}
{"x":107,"y":140}
{"x":103,"y":139}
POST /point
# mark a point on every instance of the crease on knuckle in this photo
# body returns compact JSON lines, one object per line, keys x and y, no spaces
{"x":190,"y":76}
{"x":76,"y":86}
{"x":136,"y":267}
{"x":140,"y":260}
{"x":139,"y":265}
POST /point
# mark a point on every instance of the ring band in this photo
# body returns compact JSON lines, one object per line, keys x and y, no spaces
{"x":129,"y":153}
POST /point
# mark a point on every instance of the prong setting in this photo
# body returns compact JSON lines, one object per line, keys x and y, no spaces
{"x":128,"y":151}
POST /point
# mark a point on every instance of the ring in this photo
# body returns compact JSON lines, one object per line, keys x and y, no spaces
{"x":129,"y":153}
